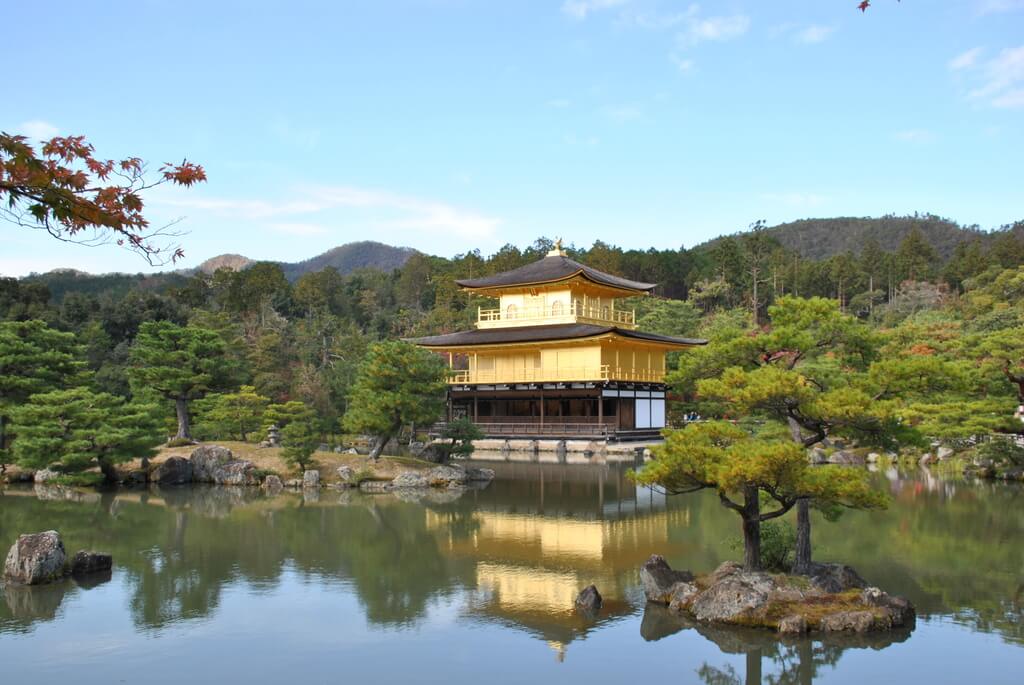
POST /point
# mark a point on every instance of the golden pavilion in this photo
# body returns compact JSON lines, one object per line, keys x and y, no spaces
{"x":558,"y":357}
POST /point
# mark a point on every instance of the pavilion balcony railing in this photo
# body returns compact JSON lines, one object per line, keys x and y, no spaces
{"x":605,"y":372}
{"x":512,"y":426}
{"x":577,"y":311}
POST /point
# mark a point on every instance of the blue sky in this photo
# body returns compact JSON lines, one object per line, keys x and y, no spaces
{"x":453,"y":125}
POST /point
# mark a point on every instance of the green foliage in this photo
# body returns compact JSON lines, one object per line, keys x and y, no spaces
{"x":34,"y":358}
{"x":461,"y":433}
{"x":1002,"y":452}
{"x":180,"y":363}
{"x":236,"y":415}
{"x":78,"y":429}
{"x":778,"y":539}
{"x":398,"y":384}
{"x":299,"y":441}
{"x":283,"y":414}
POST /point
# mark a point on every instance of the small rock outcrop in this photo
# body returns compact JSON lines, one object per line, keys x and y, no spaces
{"x":410,"y":479}
{"x":86,"y":563}
{"x":44,"y":476}
{"x":789,"y":604}
{"x":588,"y":602}
{"x":216,"y":464}
{"x":36,"y":558}
{"x":846,"y":457}
{"x":478,"y":475}
{"x":835,"y":578}
{"x":173,"y":471}
{"x":311,"y":478}
{"x":272,"y":484}
{"x":658,"y":579}
{"x":447,"y":476}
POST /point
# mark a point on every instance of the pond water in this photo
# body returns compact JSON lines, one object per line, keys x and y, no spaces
{"x":226,"y":585}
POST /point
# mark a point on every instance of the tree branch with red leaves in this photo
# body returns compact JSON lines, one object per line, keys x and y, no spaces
{"x":64,"y":189}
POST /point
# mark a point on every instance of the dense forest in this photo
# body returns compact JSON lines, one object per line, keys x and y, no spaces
{"x":956,"y":321}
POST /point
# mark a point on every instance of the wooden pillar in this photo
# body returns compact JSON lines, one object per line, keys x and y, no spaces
{"x":600,"y":407}
{"x":476,"y":408}
{"x":542,"y":408}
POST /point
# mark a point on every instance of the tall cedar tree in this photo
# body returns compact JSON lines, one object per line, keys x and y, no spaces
{"x":398,"y":385}
{"x":180,"y":363}
{"x":34,"y":358}
{"x":78,"y":429}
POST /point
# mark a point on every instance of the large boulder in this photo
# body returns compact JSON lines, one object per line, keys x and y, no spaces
{"x":659,"y":579}
{"x":86,"y":563}
{"x":410,"y":479}
{"x":477,"y":475}
{"x":44,"y":476}
{"x":36,"y":558}
{"x":943,"y":453}
{"x":835,"y":578}
{"x":848,"y":621}
{"x":733,"y":598}
{"x":173,"y":471}
{"x":447,"y":476}
{"x":311,"y":478}
{"x":588,"y":602}
{"x":682,"y":595}
{"x":897,"y":611}
{"x":846,"y":458}
{"x":216,"y":464}
{"x":272,"y":484}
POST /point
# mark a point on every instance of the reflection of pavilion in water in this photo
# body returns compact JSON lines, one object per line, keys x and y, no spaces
{"x":583,"y":525}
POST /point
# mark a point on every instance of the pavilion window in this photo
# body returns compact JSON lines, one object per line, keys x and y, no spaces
{"x":511,"y":312}
{"x":556,"y":308}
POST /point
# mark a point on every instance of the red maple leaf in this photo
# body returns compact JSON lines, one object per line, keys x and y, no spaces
{"x":863,"y":6}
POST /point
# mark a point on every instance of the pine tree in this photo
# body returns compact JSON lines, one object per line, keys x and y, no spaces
{"x":34,"y":358}
{"x":78,"y":429}
{"x":181,"y":364}
{"x":237,"y":413}
{"x":398,"y":384}
{"x":299,"y":441}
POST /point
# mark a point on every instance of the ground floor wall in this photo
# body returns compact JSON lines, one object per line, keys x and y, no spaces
{"x":554,"y":409}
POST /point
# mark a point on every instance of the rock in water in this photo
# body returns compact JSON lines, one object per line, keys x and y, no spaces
{"x":173,"y":471}
{"x":44,"y":475}
{"x":588,"y":601}
{"x":846,"y":457}
{"x":658,"y":579}
{"x":835,"y":578}
{"x":447,"y":476}
{"x":272,"y":484}
{"x":85,"y":563}
{"x":732,"y":598}
{"x":36,"y":558}
{"x":311,"y":479}
{"x":475,"y":475}
{"x":794,"y":624}
{"x":410,"y":479}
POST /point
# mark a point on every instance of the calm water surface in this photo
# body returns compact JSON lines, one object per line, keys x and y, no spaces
{"x":221,"y":585}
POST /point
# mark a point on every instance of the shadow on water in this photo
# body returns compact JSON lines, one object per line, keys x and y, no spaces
{"x":515,"y":554}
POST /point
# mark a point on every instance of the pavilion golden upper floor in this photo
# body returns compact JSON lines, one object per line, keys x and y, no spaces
{"x":557,"y":320}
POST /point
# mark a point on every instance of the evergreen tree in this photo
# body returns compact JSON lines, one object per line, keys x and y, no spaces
{"x":398,"y":384}
{"x":460,"y":433}
{"x":34,"y":358}
{"x":299,"y":441}
{"x":916,"y":259}
{"x":179,"y":363}
{"x":78,"y":429}
{"x":235,"y":414}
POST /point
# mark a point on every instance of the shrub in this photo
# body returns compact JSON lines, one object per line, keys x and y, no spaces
{"x":778,"y":546}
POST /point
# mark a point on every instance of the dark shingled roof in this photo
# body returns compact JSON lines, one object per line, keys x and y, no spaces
{"x":552,"y":269}
{"x":523,"y":334}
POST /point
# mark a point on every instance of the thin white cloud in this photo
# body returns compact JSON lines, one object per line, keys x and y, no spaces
{"x":1001,"y":79}
{"x":40,"y":130}
{"x":814,"y":34}
{"x":702,"y":29}
{"x":683,"y":64}
{"x":579,"y":9}
{"x":376,"y":207}
{"x":914,"y":135}
{"x":965,"y":60}
{"x":559,"y":103}
{"x":999,"y":6}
